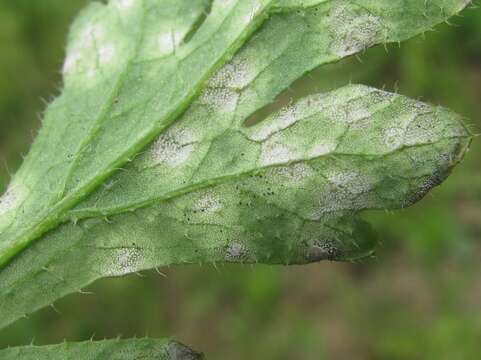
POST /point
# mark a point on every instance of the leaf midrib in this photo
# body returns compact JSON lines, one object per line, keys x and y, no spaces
{"x":88,"y":213}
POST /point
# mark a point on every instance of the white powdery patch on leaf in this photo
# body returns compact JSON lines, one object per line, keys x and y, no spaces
{"x":296,"y":173}
{"x":422,"y":130}
{"x":71,"y":62}
{"x":209,"y":203}
{"x":276,"y":153}
{"x":350,"y":112}
{"x":322,"y":149}
{"x":355,"y":113}
{"x":10,"y":199}
{"x":351,"y":181}
{"x":125,"y":261}
{"x":345,"y":191}
{"x":236,"y":75}
{"x":168,"y":41}
{"x":285,"y":118}
{"x":353,"y":31}
{"x":359,"y":108}
{"x":125,"y":4}
{"x":236,"y":252}
{"x":225,"y":3}
{"x":91,"y":34}
{"x":393,"y":137}
{"x":256,"y":8}
{"x":420,"y":107}
{"x":220,"y":99}
{"x":174,"y":147}
{"x":89,"y":50}
{"x":106,"y":53}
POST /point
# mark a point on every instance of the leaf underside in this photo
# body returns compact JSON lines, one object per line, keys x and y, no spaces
{"x":145,"y":159}
{"x":146,"y":349}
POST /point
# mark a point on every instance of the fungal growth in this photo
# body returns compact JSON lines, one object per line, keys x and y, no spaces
{"x":236,"y":74}
{"x":275,"y":152}
{"x":125,"y":4}
{"x":236,"y":252}
{"x":221,"y":100}
{"x":295,"y":174}
{"x":168,"y":41}
{"x":209,"y":202}
{"x":144,"y":160}
{"x":10,"y":199}
{"x":125,"y":261}
{"x":285,"y":118}
{"x":356,"y":29}
{"x":174,"y":147}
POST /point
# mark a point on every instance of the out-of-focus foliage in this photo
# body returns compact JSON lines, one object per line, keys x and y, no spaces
{"x":419,"y":300}
{"x":31,"y":38}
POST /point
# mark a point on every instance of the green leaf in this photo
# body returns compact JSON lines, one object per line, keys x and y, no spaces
{"x":147,"y":349}
{"x":210,"y":187}
{"x":129,"y":72}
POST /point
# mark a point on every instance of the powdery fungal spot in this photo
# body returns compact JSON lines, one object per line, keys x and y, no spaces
{"x":71,"y":62}
{"x":87,"y":49}
{"x":106,"y":53}
{"x":9,"y":200}
{"x":322,"y":149}
{"x":359,"y":108}
{"x":168,"y":41}
{"x":125,"y":4}
{"x":423,"y":129}
{"x":348,"y":113}
{"x":361,"y":124}
{"x":393,"y":137}
{"x":174,"y":147}
{"x":344,"y":191}
{"x":208,"y":203}
{"x":350,"y":181}
{"x":256,"y":8}
{"x":356,"y":113}
{"x":454,"y":129}
{"x":419,"y":107}
{"x":353,"y":31}
{"x":223,"y":100}
{"x":236,"y":75}
{"x":275,"y":153}
{"x":236,"y":252}
{"x":125,"y":261}
{"x":225,"y":3}
{"x":89,"y":35}
{"x":285,"y":118}
{"x":295,"y":174}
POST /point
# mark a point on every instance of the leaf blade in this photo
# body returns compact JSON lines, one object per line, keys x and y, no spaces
{"x":49,"y":269}
{"x":296,"y":211}
{"x":56,"y":177}
{"x":107,"y":349}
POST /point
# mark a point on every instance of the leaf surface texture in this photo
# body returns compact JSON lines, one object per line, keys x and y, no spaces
{"x":146,"y":160}
{"x":146,"y":349}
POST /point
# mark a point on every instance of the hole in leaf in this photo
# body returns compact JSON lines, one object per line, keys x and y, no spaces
{"x":372,"y":71}
{"x":198,"y":22}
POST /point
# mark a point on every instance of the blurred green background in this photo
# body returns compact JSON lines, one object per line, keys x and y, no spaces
{"x":420,"y":299}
